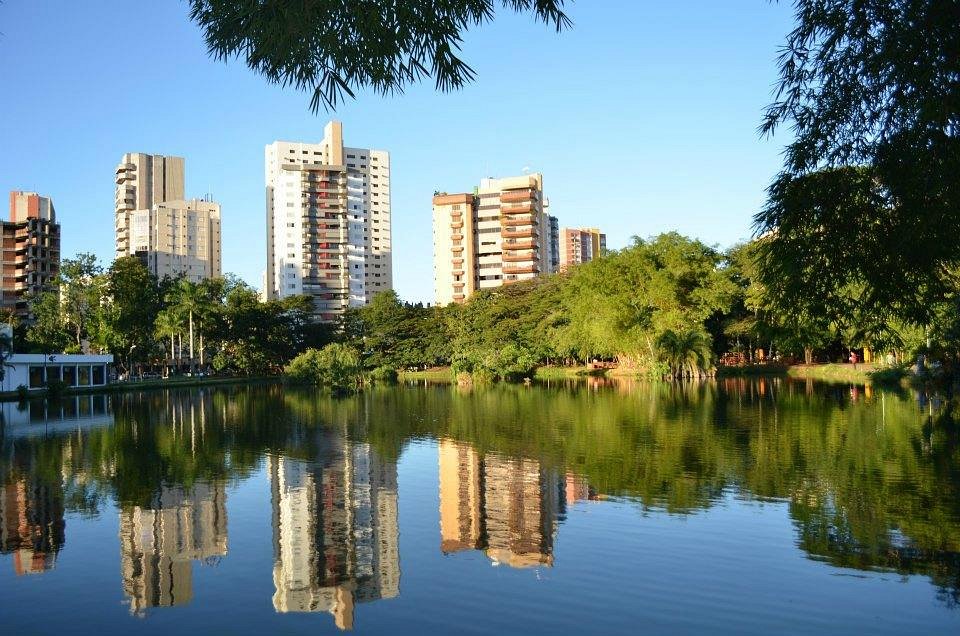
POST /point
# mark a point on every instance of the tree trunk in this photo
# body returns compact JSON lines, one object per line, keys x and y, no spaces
{"x":191,"y":342}
{"x":201,"y":349}
{"x":808,"y":355}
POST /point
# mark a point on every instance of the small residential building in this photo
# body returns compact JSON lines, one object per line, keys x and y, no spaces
{"x":35,"y":370}
{"x":581,"y":245}
{"x":30,"y":251}
{"x":497,"y":235}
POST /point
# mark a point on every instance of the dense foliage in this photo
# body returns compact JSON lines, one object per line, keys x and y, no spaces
{"x":334,"y":48}
{"x":864,"y":217}
{"x":335,"y":366}
{"x":126,"y":311}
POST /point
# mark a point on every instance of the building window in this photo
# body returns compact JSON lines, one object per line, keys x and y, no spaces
{"x":98,"y":375}
{"x":36,"y":377}
{"x":83,"y":374}
{"x":70,"y":375}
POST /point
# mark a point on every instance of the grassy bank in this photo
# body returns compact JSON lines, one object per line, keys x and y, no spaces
{"x":861,"y":373}
{"x":437,"y":374}
{"x":147,"y":385}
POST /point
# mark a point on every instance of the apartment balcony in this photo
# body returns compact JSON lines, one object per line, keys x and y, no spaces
{"x":517,"y":220}
{"x":528,"y":232}
{"x":459,"y":297}
{"x":515,"y":196}
{"x":518,"y":258}
{"x":456,"y":214}
{"x":457,"y":261}
{"x":456,"y":237}
{"x":516,"y":209}
{"x":456,"y":225}
{"x":518,"y":245}
{"x":458,"y":272}
{"x":458,"y":249}
{"x":523,"y":269}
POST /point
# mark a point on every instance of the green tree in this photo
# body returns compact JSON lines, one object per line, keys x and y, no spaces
{"x":869,"y":188}
{"x":83,"y":293}
{"x":336,"y":366}
{"x":135,"y":303}
{"x":334,"y":48}
{"x":686,"y":353}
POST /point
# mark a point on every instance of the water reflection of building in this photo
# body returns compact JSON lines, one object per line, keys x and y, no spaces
{"x":158,"y":543}
{"x":335,"y":534}
{"x":31,"y":524}
{"x":507,"y":507}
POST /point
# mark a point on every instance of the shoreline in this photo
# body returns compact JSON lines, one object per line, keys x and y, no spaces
{"x":146,"y":385}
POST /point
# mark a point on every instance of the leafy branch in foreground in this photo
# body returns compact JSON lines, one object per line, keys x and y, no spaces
{"x":334,"y":48}
{"x":869,"y":187}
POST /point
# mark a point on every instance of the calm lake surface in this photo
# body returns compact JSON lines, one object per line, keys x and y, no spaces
{"x":728,"y":507}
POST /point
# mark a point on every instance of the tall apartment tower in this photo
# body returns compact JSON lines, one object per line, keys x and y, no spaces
{"x":142,"y":181}
{"x":581,"y":245}
{"x":554,"y":243}
{"x":31,"y":250}
{"x":498,"y":235}
{"x":328,"y":223}
{"x":172,"y":236}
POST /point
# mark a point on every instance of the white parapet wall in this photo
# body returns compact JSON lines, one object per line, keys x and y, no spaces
{"x":35,"y":370}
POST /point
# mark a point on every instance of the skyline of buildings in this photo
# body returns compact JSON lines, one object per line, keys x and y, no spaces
{"x":329,"y":228}
{"x":171,"y":235}
{"x":30,"y":250}
{"x":328,"y":223}
{"x":499,"y":234}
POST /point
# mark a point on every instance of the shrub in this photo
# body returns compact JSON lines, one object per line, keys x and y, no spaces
{"x":336,"y":367}
{"x":23,"y":392}
{"x":384,"y":374}
{"x":56,"y":388}
{"x":891,"y":375}
{"x":511,"y":363}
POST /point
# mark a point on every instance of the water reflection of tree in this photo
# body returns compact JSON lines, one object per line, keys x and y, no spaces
{"x":871,"y":481}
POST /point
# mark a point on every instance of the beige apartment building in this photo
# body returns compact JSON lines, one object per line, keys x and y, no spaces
{"x":328,"y":223}
{"x":142,"y":181}
{"x":497,"y":235}
{"x":580,"y":245}
{"x":173,"y":236}
{"x":178,"y":239}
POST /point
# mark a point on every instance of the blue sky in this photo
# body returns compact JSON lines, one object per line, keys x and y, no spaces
{"x":642,"y":118}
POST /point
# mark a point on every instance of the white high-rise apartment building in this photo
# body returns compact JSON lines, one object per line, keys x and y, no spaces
{"x":172,"y":236}
{"x":328,"y":222}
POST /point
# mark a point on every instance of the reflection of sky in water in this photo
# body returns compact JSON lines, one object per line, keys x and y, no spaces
{"x":754,"y":508}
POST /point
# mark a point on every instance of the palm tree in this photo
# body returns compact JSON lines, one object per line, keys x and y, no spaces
{"x":167,"y":324}
{"x":687,"y":353}
{"x":187,"y":298}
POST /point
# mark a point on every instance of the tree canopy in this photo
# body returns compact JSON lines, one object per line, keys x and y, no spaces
{"x":334,"y":48}
{"x":869,"y":194}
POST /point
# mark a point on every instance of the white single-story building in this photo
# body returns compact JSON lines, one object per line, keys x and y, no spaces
{"x":34,"y":370}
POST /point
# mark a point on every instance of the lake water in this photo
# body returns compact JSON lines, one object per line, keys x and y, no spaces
{"x":730,"y":507}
